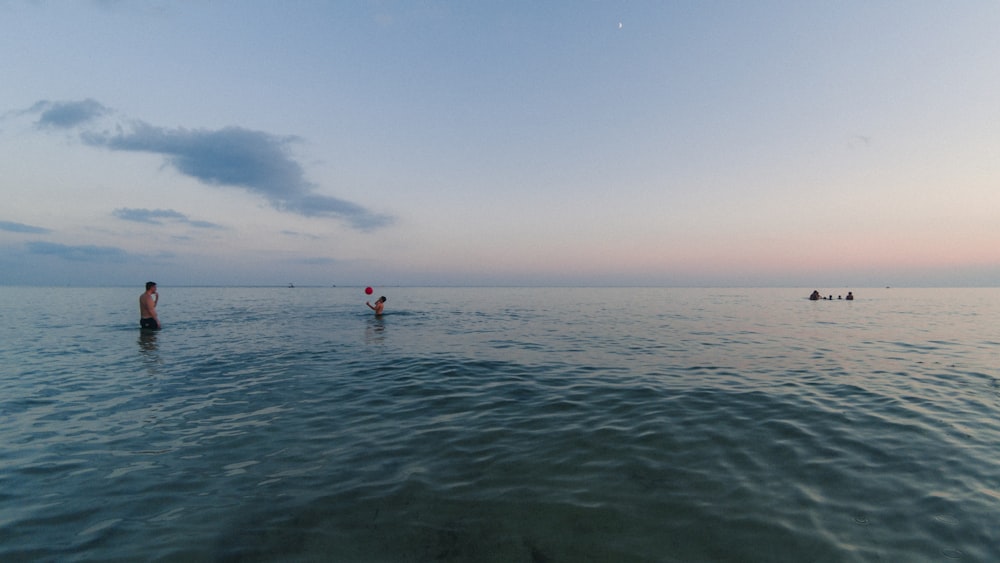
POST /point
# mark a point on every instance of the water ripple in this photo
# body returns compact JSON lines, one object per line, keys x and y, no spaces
{"x":521,"y":425}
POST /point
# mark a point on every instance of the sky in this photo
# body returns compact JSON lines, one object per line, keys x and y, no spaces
{"x":586,"y":143}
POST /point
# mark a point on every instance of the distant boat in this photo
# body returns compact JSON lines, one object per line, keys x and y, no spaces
{"x":291,"y":284}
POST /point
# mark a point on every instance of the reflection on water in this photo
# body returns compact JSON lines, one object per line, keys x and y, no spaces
{"x":501,"y":424}
{"x":149,"y":349}
{"x":375,"y":331}
{"x":147,"y":340}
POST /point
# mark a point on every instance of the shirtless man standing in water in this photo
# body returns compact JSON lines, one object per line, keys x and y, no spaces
{"x":379,"y":305}
{"x":147,"y":307}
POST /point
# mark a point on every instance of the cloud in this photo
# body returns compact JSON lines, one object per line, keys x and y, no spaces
{"x":12,"y":227}
{"x":857,"y":140}
{"x":302,"y":235}
{"x":256,"y":161}
{"x":156,"y":217}
{"x":233,"y":156}
{"x":152,"y":216}
{"x":88,"y":253}
{"x":203,"y":224}
{"x":318,"y":261}
{"x":66,"y":115}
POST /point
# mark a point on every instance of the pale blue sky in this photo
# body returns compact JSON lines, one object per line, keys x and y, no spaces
{"x":842,"y":144}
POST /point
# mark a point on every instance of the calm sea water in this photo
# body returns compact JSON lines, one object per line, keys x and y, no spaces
{"x":540,"y":425}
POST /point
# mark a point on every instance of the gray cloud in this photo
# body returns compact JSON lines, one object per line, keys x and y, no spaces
{"x":256,"y":161}
{"x":89,"y":253}
{"x":312,"y":205}
{"x":157,"y":216}
{"x":302,"y":235}
{"x":152,"y":216}
{"x":318,"y":261}
{"x":66,"y":115}
{"x":12,"y":227}
{"x":203,"y":224}
{"x":232,"y":156}
{"x":253,"y":160}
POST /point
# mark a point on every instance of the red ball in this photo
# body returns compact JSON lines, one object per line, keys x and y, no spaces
{"x":368,"y":291}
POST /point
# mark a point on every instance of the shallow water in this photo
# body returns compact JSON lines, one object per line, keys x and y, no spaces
{"x":498,"y":424}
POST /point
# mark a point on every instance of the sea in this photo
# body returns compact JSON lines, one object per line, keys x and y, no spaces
{"x":500,"y":425}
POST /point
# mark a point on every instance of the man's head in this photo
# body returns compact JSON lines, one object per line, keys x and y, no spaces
{"x":382,"y":299}
{"x":150,"y":285}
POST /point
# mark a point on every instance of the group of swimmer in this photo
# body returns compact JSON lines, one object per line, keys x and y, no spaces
{"x":149,"y":319}
{"x":149,"y":299}
{"x":815,"y":296}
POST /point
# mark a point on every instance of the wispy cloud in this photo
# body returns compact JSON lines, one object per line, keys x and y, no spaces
{"x":84,"y":253}
{"x":318,"y":261}
{"x":158,"y":216}
{"x":859,"y":140}
{"x":12,"y":227}
{"x":300,"y":235}
{"x":257,"y":161}
{"x":66,"y":115}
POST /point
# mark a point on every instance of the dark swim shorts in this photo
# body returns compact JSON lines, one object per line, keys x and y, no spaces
{"x":148,"y":322}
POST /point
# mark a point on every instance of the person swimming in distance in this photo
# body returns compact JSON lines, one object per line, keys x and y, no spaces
{"x":850,"y":296}
{"x":815,"y":296}
{"x":379,"y":305}
{"x":147,"y":307}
